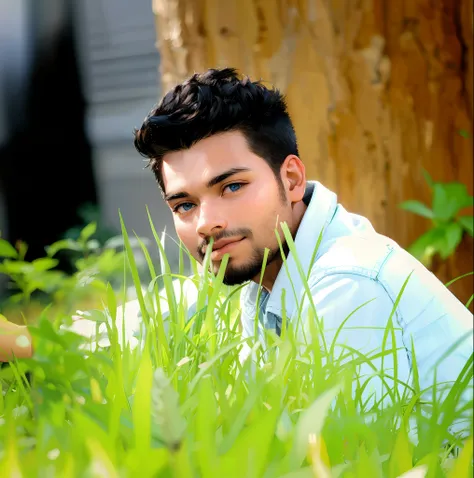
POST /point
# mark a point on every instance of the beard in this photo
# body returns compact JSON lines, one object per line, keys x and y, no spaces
{"x":235,"y":275}
{"x":246,"y":272}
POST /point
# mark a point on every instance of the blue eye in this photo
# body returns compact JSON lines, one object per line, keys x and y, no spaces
{"x":184,"y":207}
{"x":234,"y":187}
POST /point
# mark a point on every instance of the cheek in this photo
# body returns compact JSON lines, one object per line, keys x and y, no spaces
{"x":269,"y":220}
{"x":257,"y":204}
{"x":265,"y":192}
{"x":187,"y":235}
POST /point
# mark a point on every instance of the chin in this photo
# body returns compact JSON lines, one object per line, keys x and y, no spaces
{"x":240,"y":275}
{"x":232,"y":281}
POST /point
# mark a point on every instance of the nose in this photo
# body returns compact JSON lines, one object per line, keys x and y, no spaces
{"x":211,"y":220}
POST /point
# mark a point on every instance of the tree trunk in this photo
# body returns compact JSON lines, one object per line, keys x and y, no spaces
{"x":378,"y":90}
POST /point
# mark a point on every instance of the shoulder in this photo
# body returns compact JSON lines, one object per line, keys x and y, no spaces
{"x":354,"y":255}
{"x":374,"y":265}
{"x":342,"y":293}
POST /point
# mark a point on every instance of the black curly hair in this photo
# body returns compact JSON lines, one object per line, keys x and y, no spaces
{"x":214,"y":102}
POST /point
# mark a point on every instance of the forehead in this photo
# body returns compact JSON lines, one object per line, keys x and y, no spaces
{"x":207,"y":158}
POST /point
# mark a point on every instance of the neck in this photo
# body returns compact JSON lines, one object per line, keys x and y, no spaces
{"x":273,"y":268}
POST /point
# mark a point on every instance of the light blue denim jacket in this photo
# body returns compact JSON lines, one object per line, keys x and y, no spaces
{"x":353,"y":266}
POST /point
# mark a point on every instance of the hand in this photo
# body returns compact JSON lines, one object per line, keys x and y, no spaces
{"x":15,"y":341}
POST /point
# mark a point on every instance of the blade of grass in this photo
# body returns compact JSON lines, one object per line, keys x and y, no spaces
{"x":134,"y":271}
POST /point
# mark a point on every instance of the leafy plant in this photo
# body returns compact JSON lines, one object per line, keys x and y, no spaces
{"x":182,"y":403}
{"x":94,"y":265}
{"x":448,"y":227}
{"x":90,"y":214}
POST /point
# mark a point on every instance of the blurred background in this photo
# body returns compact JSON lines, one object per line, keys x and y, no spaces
{"x":381,"y":94}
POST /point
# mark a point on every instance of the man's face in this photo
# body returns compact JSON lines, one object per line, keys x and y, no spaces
{"x":220,"y":189}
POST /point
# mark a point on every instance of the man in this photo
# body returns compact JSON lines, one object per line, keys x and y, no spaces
{"x":225,"y":155}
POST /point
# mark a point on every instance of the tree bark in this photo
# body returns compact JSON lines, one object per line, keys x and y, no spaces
{"x":378,"y":90}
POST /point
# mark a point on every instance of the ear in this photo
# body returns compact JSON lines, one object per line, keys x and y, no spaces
{"x":293,"y":175}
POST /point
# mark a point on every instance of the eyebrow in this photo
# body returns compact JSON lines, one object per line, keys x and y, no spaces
{"x":211,"y":183}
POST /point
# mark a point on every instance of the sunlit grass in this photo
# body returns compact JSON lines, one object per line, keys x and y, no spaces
{"x":182,"y":403}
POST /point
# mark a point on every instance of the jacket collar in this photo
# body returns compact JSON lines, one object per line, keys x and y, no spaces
{"x":321,"y":208}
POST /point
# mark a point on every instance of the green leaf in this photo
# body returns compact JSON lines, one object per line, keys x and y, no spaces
{"x":94,"y":315}
{"x":16,"y":298}
{"x":111,"y":303}
{"x":7,"y":250}
{"x":210,"y":312}
{"x":311,"y":423}
{"x":165,"y":270}
{"x":238,"y":424}
{"x":467,"y":222}
{"x":368,"y":465}
{"x":306,"y":472}
{"x":46,"y":332}
{"x":417,"y":207}
{"x":418,"y":472}
{"x":44,"y":264}
{"x":428,"y":178}
{"x":16,"y":267}
{"x":89,"y":429}
{"x":134,"y":271}
{"x":206,"y":418}
{"x":453,"y":236}
{"x":88,"y":231}
{"x":100,"y":458}
{"x":401,"y":459}
{"x":10,"y":460}
{"x":427,"y":245}
{"x":166,"y":412}
{"x":463,"y":465}
{"x":181,"y":464}
{"x":142,"y":407}
{"x":284,"y":428}
{"x":448,"y":199}
{"x":469,"y":202}
{"x":162,"y":337}
{"x":157,"y":459}
{"x":63,"y":244}
{"x":251,"y":448}
{"x":207,"y":366}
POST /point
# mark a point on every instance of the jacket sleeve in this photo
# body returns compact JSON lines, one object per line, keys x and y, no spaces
{"x":353,"y":313}
{"x":439,"y":341}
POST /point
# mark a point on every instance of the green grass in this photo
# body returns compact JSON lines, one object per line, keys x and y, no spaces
{"x":181,"y":403}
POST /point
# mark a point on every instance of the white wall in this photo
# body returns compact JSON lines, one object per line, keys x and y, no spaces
{"x":120,"y":65}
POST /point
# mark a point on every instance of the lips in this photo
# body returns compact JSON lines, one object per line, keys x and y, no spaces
{"x":222,"y":243}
